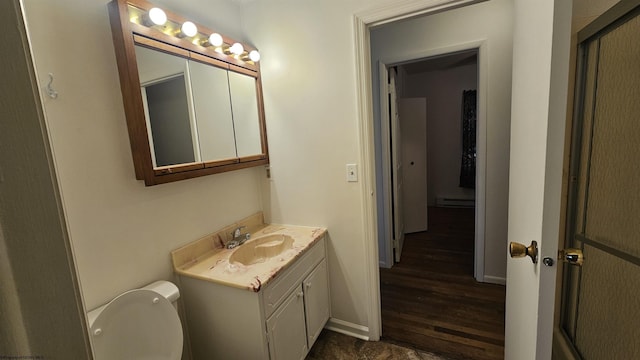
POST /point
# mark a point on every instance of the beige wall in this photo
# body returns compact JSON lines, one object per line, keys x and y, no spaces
{"x":309,"y":83}
{"x":121,"y":231}
{"x":311,"y":107}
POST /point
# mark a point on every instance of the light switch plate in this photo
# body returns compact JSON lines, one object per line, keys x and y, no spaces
{"x":352,"y":173}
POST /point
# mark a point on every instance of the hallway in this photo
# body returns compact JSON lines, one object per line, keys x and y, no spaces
{"x":430,"y":300}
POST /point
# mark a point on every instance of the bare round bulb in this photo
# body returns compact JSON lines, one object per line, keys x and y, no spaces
{"x":254,"y":55}
{"x":189,"y":29}
{"x":237,"y":49}
{"x":215,"y":39}
{"x":157,"y":16}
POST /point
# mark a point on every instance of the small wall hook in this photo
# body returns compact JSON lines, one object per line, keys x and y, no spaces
{"x":49,"y":89}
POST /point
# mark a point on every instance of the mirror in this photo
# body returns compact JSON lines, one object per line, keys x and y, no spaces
{"x":191,"y":111}
{"x":213,"y":112}
{"x":164,"y":86}
{"x":245,"y":111}
{"x":188,"y":110}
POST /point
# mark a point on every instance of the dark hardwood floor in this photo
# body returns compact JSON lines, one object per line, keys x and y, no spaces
{"x":430,"y":300}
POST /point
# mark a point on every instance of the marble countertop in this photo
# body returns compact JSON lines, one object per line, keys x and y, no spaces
{"x":207,"y":258}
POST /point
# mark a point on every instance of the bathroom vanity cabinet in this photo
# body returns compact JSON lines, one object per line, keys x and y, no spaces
{"x":279,"y":321}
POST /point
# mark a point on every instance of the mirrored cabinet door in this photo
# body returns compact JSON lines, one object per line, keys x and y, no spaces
{"x":212,"y":111}
{"x":165,"y":88}
{"x":245,"y":114}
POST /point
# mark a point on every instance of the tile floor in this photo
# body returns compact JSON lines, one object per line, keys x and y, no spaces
{"x":335,"y":346}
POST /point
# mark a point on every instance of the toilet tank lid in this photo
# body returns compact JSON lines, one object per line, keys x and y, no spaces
{"x":165,"y":288}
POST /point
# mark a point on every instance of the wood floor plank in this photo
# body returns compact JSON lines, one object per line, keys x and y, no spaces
{"x":430,"y":300}
{"x":489,"y":335}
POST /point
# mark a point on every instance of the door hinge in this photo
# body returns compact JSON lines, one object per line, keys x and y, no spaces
{"x":395,"y":243}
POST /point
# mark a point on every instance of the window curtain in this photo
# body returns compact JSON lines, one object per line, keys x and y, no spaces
{"x":468,"y":164}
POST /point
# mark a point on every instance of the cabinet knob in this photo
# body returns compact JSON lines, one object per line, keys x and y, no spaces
{"x":299,"y":294}
{"x":308,"y":285}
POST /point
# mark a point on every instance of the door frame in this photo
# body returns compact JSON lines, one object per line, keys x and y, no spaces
{"x":481,"y":144}
{"x":362,"y":22}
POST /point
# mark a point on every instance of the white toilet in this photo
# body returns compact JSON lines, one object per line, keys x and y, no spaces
{"x":138,"y":324}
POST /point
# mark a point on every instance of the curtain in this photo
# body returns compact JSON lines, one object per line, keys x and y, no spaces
{"x":468,"y":164}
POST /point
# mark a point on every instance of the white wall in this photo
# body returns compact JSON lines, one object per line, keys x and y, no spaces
{"x":443,"y":90}
{"x":309,"y":81}
{"x":121,"y":231}
{"x":491,"y":22}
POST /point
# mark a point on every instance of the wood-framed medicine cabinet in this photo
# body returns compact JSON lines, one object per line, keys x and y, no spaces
{"x":193,"y":100}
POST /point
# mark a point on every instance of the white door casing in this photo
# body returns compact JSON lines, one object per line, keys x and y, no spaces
{"x":539,"y":96}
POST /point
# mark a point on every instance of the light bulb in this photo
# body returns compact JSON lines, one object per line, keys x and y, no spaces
{"x":237,"y":49}
{"x":254,"y":55}
{"x":157,"y":16}
{"x":189,"y":29}
{"x":215,"y":39}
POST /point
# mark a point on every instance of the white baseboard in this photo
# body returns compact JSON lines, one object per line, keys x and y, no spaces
{"x":347,"y":328}
{"x":495,"y":280}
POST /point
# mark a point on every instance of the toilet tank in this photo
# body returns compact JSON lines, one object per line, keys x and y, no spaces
{"x":138,"y":324}
{"x":165,"y":288}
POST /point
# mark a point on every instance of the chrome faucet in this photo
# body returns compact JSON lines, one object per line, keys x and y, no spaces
{"x":238,"y":238}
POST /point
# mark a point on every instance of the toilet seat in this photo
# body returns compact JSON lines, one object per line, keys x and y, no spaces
{"x":138,"y":324}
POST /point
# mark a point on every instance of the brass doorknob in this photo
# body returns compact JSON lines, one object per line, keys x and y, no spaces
{"x":517,"y":250}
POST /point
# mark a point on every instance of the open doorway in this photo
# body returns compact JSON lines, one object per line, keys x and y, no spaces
{"x":433,"y":139}
{"x":429,"y":142}
{"x":392,"y":36}
{"x":430,"y":299}
{"x":433,"y":148}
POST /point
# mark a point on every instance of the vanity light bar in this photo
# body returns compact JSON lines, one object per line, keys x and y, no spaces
{"x":157,"y":18}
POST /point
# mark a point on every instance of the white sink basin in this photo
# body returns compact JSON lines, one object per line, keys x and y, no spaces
{"x":261,"y":249}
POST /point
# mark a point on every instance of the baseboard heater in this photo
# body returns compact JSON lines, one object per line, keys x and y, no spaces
{"x":455,"y":202}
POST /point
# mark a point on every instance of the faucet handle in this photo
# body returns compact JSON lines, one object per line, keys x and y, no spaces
{"x":237,"y":231}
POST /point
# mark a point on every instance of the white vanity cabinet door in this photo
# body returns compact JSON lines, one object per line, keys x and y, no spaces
{"x":286,"y":329}
{"x":316,"y":301}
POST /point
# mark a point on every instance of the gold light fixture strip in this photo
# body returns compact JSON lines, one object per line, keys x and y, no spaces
{"x":183,"y":30}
